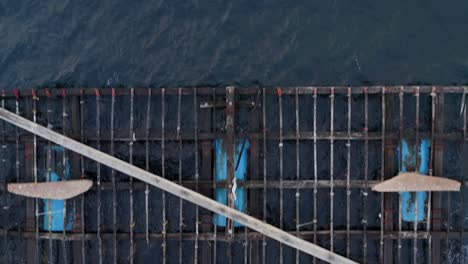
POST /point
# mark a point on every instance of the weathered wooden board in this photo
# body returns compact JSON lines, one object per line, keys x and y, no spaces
{"x":415,"y":182}
{"x":60,"y":190}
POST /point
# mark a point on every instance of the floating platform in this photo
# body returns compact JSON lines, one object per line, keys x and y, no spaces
{"x":314,"y":155}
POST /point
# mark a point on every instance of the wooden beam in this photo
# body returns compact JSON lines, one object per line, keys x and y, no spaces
{"x":230,"y":148}
{"x":206,"y":174}
{"x":254,"y":196}
{"x":75,"y":128}
{"x":438,"y":165}
{"x":173,"y":188}
{"x":9,"y":93}
{"x":32,"y":250}
{"x":389,"y":171}
{"x":252,"y":235}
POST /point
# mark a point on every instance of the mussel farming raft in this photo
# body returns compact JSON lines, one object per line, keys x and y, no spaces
{"x":303,"y":159}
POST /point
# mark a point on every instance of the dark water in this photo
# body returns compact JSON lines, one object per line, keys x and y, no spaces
{"x":172,"y":43}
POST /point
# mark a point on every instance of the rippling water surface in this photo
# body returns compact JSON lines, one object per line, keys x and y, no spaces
{"x":172,"y":43}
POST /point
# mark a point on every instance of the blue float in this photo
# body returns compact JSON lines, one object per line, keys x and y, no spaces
{"x":55,"y":222}
{"x":409,"y":160}
{"x":240,"y":174}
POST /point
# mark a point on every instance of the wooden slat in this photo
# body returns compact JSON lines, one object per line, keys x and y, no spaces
{"x":60,"y":190}
{"x":415,"y":182}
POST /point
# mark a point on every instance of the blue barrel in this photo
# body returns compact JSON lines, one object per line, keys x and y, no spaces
{"x":240,"y":174}
{"x":411,"y":154}
{"x":54,"y":221}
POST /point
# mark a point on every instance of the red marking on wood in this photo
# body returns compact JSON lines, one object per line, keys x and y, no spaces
{"x":16,"y":92}
{"x":34,"y":95}
{"x":279,"y":91}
